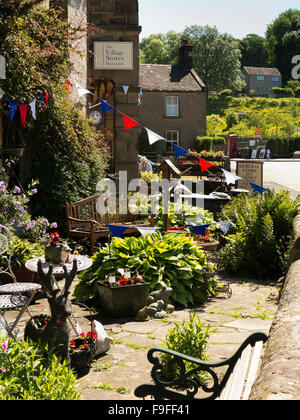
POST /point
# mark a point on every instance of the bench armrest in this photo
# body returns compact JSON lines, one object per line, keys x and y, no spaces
{"x":183,"y":371}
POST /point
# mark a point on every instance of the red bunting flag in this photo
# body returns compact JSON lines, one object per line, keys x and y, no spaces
{"x":205,"y":165}
{"x":23,"y":113}
{"x":68,"y":85}
{"x":129,"y":123}
{"x":47,"y":95}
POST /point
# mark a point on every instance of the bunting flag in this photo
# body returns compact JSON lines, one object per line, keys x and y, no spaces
{"x":179,"y":151}
{"x":12,"y":108}
{"x":111,"y":92}
{"x":105,"y":107}
{"x":230,"y":177}
{"x":224,"y":226}
{"x":117,"y":230}
{"x":199,"y":230}
{"x":205,"y":164}
{"x":33,"y":108}
{"x":1,"y":93}
{"x":144,"y":230}
{"x":40,"y":96}
{"x":257,"y":188}
{"x":23,"y":113}
{"x":153,"y":137}
{"x":81,"y":91}
{"x":68,"y":86}
{"x":125,"y":88}
{"x":47,"y":96}
{"x":128,"y":122}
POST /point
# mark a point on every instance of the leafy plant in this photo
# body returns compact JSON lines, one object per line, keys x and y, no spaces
{"x":260,"y":234}
{"x":190,"y":338}
{"x":29,"y":372}
{"x":170,"y":259}
{"x":24,"y":250}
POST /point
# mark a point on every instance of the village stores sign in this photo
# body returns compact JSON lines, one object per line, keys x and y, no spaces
{"x":113,"y":55}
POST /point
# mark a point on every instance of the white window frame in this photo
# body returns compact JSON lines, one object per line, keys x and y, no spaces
{"x":172,"y":109}
{"x":169,"y":148}
{"x":260,"y":77}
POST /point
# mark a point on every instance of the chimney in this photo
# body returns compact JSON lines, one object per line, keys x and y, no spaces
{"x":186,"y":55}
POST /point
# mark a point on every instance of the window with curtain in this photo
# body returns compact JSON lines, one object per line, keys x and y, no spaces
{"x":172,"y":106}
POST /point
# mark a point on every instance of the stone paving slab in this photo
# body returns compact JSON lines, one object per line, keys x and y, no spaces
{"x":115,"y":374}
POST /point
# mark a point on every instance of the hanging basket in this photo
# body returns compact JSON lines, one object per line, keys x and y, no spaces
{"x":80,"y":356}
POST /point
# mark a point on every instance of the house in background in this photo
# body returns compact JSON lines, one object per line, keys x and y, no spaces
{"x":262,"y":80}
{"x":174,"y":102}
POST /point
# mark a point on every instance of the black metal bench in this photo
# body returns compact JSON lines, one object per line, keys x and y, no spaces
{"x":234,"y":384}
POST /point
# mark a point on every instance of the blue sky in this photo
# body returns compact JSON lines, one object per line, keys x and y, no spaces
{"x":236,"y":17}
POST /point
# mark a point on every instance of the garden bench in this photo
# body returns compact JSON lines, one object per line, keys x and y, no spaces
{"x":234,"y":384}
{"x":83,"y":220}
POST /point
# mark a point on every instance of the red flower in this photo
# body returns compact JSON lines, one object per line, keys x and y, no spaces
{"x":181,"y":162}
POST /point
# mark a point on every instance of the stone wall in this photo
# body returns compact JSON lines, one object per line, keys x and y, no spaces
{"x":279,"y":376}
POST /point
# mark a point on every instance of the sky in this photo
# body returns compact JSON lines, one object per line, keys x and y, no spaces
{"x":236,"y":17}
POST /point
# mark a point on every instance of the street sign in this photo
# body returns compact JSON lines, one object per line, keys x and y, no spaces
{"x":258,"y":133}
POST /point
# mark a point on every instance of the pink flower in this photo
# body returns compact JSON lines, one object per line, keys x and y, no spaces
{"x":3,"y":369}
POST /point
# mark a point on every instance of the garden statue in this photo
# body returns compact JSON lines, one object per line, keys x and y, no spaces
{"x":157,"y":305}
{"x":55,"y":328}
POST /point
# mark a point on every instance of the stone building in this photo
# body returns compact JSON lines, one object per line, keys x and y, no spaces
{"x":174,"y":101}
{"x":262,"y":80}
{"x":114,"y":63}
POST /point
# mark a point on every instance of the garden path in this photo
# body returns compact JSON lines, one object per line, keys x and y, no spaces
{"x":115,"y":375}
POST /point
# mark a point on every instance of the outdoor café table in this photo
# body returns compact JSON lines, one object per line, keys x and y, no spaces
{"x":12,"y":297}
{"x":58,"y":271}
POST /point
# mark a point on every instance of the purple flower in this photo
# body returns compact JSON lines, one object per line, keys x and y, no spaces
{"x":3,"y":369}
{"x":33,"y":191}
{"x":30,"y":225}
{"x":3,"y":185}
{"x":45,"y":222}
{"x":17,"y":190}
{"x":4,"y":346}
{"x":54,"y":225}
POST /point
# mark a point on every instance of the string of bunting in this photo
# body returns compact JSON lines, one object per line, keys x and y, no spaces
{"x":128,"y":124}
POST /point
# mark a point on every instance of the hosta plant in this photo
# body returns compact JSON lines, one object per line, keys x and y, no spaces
{"x":162,"y":260}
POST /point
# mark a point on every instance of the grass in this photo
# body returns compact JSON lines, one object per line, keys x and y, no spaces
{"x":108,"y":387}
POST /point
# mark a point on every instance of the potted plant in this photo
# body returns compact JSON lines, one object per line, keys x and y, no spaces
{"x":123,"y":296}
{"x":82,"y":350}
{"x":56,"y":252}
{"x":207,"y":242}
{"x":23,"y":251}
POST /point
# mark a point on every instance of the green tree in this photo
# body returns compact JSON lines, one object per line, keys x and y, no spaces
{"x":160,"y":48}
{"x":216,"y":57}
{"x":283,"y":37}
{"x":254,"y":51}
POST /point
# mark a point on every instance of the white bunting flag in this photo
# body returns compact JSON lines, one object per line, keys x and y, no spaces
{"x":33,"y":108}
{"x":230,"y":177}
{"x":125,"y":88}
{"x":81,"y":91}
{"x":1,"y":93}
{"x":153,"y":137}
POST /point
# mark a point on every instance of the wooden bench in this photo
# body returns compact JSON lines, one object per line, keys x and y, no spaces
{"x":83,"y":220}
{"x":234,"y":384}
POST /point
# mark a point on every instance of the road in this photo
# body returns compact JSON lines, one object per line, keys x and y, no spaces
{"x":280,"y":174}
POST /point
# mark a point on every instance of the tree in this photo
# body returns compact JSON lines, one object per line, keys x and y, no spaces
{"x":160,"y":48}
{"x":62,"y":152}
{"x":254,"y":51}
{"x":216,"y":57}
{"x":283,"y":37}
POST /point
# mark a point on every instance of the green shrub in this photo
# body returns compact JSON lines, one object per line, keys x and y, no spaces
{"x":190,"y":338}
{"x":226,"y":92}
{"x":260,"y":234}
{"x":297,"y":92}
{"x":163,"y":260}
{"x":30,"y":373}
{"x":65,"y":155}
{"x":283,"y":92}
{"x":207,"y":143}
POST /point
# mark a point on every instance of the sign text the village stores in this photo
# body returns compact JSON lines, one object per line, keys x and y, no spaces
{"x":249,"y":171}
{"x":113,"y":55}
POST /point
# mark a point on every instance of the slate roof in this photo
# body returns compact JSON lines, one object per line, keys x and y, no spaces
{"x":262,"y":71}
{"x":167,"y":78}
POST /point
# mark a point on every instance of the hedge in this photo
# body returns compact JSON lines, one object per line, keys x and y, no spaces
{"x":207,"y":143}
{"x":283,"y":146}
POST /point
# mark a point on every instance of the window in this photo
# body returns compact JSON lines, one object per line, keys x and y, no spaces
{"x":260,"y":77}
{"x":173,"y":137}
{"x":172,"y":106}
{"x":275,"y":79}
